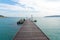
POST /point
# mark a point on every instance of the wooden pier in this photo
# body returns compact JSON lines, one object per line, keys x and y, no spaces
{"x":29,"y":31}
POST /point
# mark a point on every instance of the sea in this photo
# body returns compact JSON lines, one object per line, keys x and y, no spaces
{"x":50,"y":26}
{"x":9,"y":28}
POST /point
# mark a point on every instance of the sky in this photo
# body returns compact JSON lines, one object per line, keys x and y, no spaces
{"x":23,"y":8}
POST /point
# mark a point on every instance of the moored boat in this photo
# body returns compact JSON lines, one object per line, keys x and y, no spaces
{"x":21,"y":21}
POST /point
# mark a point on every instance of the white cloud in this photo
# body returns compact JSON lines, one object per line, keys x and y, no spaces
{"x":15,"y":7}
{"x":44,"y":6}
{"x":27,"y":3}
{"x":10,"y":7}
{"x":53,"y":0}
{"x":14,"y":10}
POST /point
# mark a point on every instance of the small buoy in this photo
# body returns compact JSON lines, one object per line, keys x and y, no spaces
{"x":35,"y":20}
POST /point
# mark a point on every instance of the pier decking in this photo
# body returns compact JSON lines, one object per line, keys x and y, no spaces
{"x":29,"y":31}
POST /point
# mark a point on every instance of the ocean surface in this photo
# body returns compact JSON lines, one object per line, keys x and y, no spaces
{"x":50,"y":26}
{"x":8,"y":28}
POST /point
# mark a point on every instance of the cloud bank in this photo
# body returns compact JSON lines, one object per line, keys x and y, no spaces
{"x":25,"y":7}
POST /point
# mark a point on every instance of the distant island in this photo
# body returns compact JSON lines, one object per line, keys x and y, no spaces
{"x":53,"y":16}
{"x":1,"y":16}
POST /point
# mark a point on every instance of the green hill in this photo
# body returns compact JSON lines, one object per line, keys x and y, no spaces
{"x":2,"y":16}
{"x":53,"y":16}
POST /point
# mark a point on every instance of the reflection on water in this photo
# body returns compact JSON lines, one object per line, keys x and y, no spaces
{"x":50,"y":26}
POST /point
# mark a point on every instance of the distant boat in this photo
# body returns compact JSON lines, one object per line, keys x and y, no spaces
{"x":21,"y":21}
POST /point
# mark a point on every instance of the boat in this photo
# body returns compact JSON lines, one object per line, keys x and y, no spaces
{"x":21,"y":21}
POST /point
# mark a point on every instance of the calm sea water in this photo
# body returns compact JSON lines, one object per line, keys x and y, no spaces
{"x":50,"y":26}
{"x":8,"y":28}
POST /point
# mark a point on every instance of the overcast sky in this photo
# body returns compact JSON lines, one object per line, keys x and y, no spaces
{"x":39,"y":8}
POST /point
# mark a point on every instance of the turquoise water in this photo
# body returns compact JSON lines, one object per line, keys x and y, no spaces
{"x":50,"y":26}
{"x":8,"y":28}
